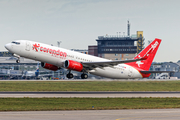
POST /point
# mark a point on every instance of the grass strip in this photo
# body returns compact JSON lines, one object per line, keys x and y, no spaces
{"x":39,"y":104}
{"x":89,"y":85}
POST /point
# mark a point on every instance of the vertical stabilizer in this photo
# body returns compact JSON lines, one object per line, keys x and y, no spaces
{"x":148,"y":54}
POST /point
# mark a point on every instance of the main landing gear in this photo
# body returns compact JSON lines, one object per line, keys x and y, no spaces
{"x":84,"y":76}
{"x":70,"y":75}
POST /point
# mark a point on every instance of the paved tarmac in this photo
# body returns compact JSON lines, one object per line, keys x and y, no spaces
{"x":139,"y":114}
{"x":144,"y":79}
{"x":89,"y":94}
{"x":136,"y":114}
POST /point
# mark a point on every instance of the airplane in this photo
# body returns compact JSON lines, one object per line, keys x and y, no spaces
{"x":54,"y":58}
{"x":31,"y":74}
{"x":36,"y":74}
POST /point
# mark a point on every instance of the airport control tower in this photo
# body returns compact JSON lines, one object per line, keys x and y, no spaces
{"x":120,"y":47}
{"x":140,"y":42}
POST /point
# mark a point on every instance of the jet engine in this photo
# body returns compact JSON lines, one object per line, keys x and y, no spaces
{"x":73,"y":65}
{"x":49,"y":66}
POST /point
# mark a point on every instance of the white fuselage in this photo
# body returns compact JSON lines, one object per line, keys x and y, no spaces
{"x":56,"y":56}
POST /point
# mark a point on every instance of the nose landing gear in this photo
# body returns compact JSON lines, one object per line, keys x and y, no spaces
{"x":17,"y":56}
{"x":18,"y":61}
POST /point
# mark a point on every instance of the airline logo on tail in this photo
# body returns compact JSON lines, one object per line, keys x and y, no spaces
{"x":153,"y":46}
{"x":147,"y":55}
{"x":139,"y":63}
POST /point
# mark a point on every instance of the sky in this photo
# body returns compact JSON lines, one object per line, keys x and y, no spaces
{"x":78,"y":23}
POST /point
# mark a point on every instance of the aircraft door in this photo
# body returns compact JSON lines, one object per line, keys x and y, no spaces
{"x":28,"y":46}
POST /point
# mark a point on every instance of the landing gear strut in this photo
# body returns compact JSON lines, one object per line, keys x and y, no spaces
{"x":17,"y":56}
{"x":69,"y":75}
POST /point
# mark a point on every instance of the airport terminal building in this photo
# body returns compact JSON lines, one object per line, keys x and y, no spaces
{"x":9,"y":69}
{"x":165,"y":66}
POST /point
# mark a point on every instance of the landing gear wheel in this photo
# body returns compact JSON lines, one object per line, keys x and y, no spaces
{"x":69,"y":75}
{"x":18,"y":61}
{"x":84,"y":76}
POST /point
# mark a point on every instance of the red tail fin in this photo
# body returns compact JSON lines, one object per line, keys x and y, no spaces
{"x":147,"y":54}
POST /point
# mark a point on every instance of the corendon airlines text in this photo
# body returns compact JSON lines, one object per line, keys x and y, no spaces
{"x":57,"y":53}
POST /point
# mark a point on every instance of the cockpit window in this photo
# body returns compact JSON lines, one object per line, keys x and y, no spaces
{"x":17,"y":43}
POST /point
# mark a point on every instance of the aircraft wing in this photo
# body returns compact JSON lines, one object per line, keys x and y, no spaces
{"x":92,"y":65}
{"x":157,"y":71}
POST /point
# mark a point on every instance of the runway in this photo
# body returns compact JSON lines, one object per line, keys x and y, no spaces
{"x":89,"y":94}
{"x":139,"y":114}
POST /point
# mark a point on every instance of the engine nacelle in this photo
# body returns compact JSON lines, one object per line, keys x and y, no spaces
{"x":49,"y":66}
{"x":73,"y":65}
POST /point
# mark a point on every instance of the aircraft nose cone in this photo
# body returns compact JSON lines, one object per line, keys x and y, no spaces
{"x":7,"y":46}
